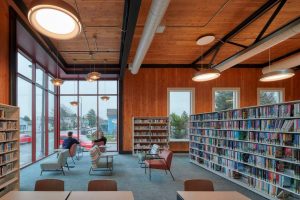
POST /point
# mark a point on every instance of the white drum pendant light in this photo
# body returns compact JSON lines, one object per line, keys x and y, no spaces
{"x":277,"y":75}
{"x":54,"y":18}
{"x":206,"y":75}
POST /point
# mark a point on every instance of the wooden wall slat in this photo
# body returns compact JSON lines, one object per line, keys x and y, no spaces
{"x":145,"y":94}
{"x":4,"y":57}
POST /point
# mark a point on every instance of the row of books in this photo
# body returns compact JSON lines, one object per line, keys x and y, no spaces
{"x":272,"y":111}
{"x":142,"y":140}
{"x":151,"y":128}
{"x":2,"y":114}
{"x":150,"y":121}
{"x":254,"y":183}
{"x":7,"y":157}
{"x":263,"y":125}
{"x":6,"y":169}
{"x":232,"y":147}
{"x":277,"y":179}
{"x":140,"y":133}
{"x":6,"y":136}
{"x":4,"y":147}
{"x":8,"y":125}
{"x":284,"y":139}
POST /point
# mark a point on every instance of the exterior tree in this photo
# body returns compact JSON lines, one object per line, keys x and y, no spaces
{"x":92,"y":118}
{"x":179,"y":125}
{"x":267,"y":98}
{"x":67,"y":120}
{"x":26,"y":118}
{"x":223,"y":100}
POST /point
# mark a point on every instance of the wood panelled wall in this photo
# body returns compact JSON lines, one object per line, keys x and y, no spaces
{"x":4,"y":49}
{"x":145,"y":94}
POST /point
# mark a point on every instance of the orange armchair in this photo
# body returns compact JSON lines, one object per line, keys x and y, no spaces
{"x":163,"y":163}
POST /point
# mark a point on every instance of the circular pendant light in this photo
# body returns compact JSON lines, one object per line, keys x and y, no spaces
{"x":94,"y":75}
{"x":206,"y":39}
{"x":74,"y":103}
{"x":57,"y":81}
{"x":88,"y":79}
{"x":206,"y":75}
{"x":105,"y":98}
{"x":277,"y":75}
{"x":54,"y":18}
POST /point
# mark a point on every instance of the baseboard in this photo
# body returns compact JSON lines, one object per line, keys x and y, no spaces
{"x":125,"y":152}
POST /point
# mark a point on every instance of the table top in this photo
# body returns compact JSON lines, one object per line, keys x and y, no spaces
{"x":215,"y":195}
{"x":105,"y":195}
{"x":31,"y":195}
{"x":108,"y":154}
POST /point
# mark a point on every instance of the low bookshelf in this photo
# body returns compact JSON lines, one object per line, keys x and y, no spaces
{"x":9,"y":148}
{"x":148,"y":131}
{"x":255,"y":147}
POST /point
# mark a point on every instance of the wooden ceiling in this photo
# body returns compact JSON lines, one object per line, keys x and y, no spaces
{"x":185,"y":22}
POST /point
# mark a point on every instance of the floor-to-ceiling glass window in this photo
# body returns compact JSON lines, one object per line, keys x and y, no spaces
{"x":92,"y":113}
{"x":32,"y":89}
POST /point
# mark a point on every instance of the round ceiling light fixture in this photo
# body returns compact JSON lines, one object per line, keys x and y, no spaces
{"x":74,"y":103}
{"x":206,"y":39}
{"x":277,"y":75}
{"x":94,"y":75}
{"x":105,"y":98}
{"x":54,"y":18}
{"x":206,"y":75}
{"x":57,"y":81}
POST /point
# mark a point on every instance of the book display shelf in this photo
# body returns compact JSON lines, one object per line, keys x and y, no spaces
{"x":255,"y":147}
{"x":9,"y":148}
{"x":148,"y":131}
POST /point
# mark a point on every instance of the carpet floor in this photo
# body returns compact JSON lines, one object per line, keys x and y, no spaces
{"x":130,"y":177}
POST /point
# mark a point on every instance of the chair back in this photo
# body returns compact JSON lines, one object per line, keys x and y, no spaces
{"x":62,"y":158}
{"x":102,"y":185}
{"x":154,"y":149}
{"x":167,"y":155}
{"x":49,"y":185}
{"x":72,"y":150}
{"x":198,"y":185}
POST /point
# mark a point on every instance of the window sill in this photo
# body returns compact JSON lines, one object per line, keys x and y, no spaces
{"x":179,"y":140}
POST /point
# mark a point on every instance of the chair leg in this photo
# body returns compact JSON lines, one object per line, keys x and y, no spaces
{"x":171,"y":175}
{"x":150,"y":173}
{"x":73,"y":160}
{"x":41,"y":172}
{"x":145,"y":169}
{"x":90,"y":171}
{"x":62,"y":170}
{"x":67,"y":166}
{"x":166,"y":171}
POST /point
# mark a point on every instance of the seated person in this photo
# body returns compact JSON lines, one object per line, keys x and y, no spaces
{"x":68,"y":142}
{"x":102,"y":138}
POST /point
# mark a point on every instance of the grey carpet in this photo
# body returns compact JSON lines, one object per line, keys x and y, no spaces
{"x":130,"y":177}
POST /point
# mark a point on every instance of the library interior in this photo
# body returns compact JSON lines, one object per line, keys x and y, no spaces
{"x":149,"y":99}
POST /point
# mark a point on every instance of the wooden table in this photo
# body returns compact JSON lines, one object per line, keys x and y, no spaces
{"x":216,"y":195}
{"x":33,"y":195}
{"x":119,"y":195}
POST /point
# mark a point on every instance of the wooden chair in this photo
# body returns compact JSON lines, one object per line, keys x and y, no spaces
{"x":198,"y":185}
{"x":102,"y":185}
{"x":163,"y":162}
{"x":72,"y":151}
{"x":49,"y":185}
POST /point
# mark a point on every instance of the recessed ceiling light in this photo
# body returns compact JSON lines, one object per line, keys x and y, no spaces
{"x":54,"y":18}
{"x":206,"y":75}
{"x":277,"y":75}
{"x":204,"y":40}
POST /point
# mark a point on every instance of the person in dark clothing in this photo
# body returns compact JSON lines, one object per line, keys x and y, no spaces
{"x":68,"y":142}
{"x":102,"y":138}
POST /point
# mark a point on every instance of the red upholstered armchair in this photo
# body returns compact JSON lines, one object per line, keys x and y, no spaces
{"x":163,"y":163}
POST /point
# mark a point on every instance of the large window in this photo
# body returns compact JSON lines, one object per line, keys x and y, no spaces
{"x":225,"y":98}
{"x":270,"y":95}
{"x":32,"y":90}
{"x":180,"y":106}
{"x":92,"y":113}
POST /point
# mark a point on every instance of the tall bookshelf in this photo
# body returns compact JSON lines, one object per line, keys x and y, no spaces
{"x":148,"y":131}
{"x":255,"y":147}
{"x":9,"y":149}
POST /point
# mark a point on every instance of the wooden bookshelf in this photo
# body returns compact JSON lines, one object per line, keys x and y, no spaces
{"x":9,"y":149}
{"x":148,"y":131}
{"x":255,"y":147}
